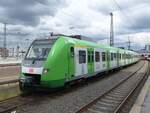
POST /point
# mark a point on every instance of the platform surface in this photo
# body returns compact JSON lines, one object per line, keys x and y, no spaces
{"x":9,"y":60}
{"x":146,"y":105}
{"x":142,"y":103}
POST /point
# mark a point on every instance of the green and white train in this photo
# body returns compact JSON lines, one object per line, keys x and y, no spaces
{"x":51,"y":63}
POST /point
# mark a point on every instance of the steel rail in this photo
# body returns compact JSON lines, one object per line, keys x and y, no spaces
{"x":131,"y":92}
{"x":94,"y":101}
{"x":17,"y":105}
{"x":16,"y":102}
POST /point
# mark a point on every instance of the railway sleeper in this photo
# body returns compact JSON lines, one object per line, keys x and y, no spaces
{"x":112,"y":98}
{"x":125,"y":91}
{"x":109,"y":105}
{"x":103,"y":109}
{"x":110,"y":101}
{"x":123,"y":88}
{"x":92,"y":111}
{"x":116,"y":95}
{"x":106,"y":103}
{"x":118,"y":91}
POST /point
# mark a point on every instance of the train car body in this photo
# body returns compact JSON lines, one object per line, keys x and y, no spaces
{"x":51,"y":63}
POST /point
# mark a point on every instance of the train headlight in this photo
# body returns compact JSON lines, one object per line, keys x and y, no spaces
{"x":45,"y":71}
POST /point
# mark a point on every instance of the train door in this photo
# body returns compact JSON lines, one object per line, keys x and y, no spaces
{"x":90,"y":60}
{"x":128,"y":58}
{"x":104,"y":60}
{"x":80,"y":61}
{"x":124,"y":58}
{"x":97,"y":60}
{"x":118,"y":58}
{"x":108,"y":59}
{"x":71,"y":64}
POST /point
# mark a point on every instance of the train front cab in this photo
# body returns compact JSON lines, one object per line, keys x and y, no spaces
{"x":47,"y":71}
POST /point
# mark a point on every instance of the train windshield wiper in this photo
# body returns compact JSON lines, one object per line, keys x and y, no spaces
{"x":34,"y":59}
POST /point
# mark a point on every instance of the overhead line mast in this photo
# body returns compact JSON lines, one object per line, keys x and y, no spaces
{"x":129,"y":43}
{"x":111,"y":31}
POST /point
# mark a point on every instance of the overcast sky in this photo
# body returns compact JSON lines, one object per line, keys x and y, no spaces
{"x":36,"y":18}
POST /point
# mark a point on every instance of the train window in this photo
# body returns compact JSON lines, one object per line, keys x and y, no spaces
{"x":82,"y":56}
{"x":40,"y":49}
{"x":103,"y":56}
{"x":112,"y":57}
{"x":97,"y":56}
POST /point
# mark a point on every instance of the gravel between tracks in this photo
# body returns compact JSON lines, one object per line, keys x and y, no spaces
{"x":76,"y":97}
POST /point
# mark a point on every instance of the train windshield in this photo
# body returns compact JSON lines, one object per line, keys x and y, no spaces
{"x":39,"y":50}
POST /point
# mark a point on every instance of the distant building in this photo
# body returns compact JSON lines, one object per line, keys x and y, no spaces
{"x":145,"y":52}
{"x":3,"y":52}
{"x":147,"y":47}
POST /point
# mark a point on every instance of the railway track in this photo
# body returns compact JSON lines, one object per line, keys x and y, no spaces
{"x":9,"y":105}
{"x":113,"y":100}
{"x":14,"y":103}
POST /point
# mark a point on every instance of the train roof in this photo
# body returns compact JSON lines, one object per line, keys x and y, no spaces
{"x":78,"y":40}
{"x":93,"y":44}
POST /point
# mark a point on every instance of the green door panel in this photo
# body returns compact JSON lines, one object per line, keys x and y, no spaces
{"x":71,"y":59}
{"x":90,"y":52}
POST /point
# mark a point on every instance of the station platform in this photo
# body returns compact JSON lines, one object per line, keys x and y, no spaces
{"x":9,"y":68}
{"x":142,"y":104}
{"x":146,"y":104}
{"x":8,"y":61}
{"x":5,"y":80}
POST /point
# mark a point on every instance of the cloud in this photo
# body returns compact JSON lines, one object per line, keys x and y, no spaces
{"x":28,"y":12}
{"x":36,"y":18}
{"x":141,"y":18}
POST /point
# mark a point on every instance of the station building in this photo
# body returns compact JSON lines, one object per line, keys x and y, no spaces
{"x":3,"y":52}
